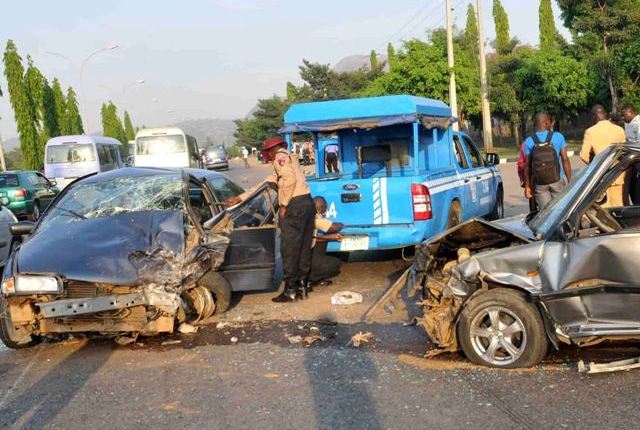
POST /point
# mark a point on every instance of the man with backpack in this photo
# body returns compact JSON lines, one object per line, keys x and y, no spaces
{"x":547,"y":168}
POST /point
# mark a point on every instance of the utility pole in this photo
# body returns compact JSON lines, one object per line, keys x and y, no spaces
{"x":453,"y":97}
{"x":484,"y":88}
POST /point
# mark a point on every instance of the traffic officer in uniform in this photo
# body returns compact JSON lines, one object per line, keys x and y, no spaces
{"x":323,"y":266}
{"x":296,"y":216}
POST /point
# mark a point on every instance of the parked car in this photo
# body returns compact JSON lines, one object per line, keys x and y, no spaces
{"x":29,"y":192}
{"x":403,"y":175}
{"x":503,"y":291}
{"x":67,"y":158}
{"x":121,"y":252}
{"x":216,"y":157}
{"x":6,"y":238}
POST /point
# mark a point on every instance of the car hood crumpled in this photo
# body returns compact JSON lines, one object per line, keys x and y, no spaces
{"x":132,"y":248}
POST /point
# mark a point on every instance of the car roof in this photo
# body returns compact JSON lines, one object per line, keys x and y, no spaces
{"x":159,"y":131}
{"x":81,"y":138}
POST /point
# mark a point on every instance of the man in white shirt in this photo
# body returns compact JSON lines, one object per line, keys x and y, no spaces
{"x":632,"y":136}
{"x":245,"y":156}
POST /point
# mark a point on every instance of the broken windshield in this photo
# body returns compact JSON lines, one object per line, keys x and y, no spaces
{"x":119,"y":195}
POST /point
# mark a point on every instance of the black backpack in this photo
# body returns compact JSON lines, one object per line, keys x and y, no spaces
{"x":545,"y":165}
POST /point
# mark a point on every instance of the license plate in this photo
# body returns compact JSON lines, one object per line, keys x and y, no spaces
{"x":354,"y":243}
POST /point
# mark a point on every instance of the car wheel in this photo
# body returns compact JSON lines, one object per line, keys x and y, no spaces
{"x":11,"y":337}
{"x":498,"y":208}
{"x":220,"y":289}
{"x":455,"y":214}
{"x":499,"y":328}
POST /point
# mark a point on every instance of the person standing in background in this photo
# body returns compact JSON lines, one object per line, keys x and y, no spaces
{"x":632,"y":137}
{"x":245,"y":157}
{"x":597,"y":138}
{"x":547,"y":167}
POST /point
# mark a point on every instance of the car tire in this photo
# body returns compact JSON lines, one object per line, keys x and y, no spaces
{"x":455,"y":214}
{"x":7,"y":332}
{"x":498,"y":208}
{"x":220,"y":288}
{"x":520,"y":339}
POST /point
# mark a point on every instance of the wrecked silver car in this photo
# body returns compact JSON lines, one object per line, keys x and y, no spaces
{"x":503,"y":291}
{"x":136,"y":251}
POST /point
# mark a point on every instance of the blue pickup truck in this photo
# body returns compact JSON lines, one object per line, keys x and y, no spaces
{"x":393,"y":170}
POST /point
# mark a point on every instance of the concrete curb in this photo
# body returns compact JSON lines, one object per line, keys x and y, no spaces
{"x":513,"y":160}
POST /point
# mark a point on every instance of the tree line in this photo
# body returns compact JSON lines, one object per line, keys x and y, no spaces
{"x":601,"y":64}
{"x":42,"y":110}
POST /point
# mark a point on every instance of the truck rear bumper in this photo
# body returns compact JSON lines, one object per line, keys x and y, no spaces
{"x":390,"y":236}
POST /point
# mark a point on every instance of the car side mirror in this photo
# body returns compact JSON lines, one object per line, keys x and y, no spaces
{"x":493,"y":159}
{"x":4,"y":201}
{"x":21,"y":228}
{"x":53,"y":182}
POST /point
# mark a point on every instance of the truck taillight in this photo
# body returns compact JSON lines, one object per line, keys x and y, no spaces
{"x":20,"y":193}
{"x":421,"y":200}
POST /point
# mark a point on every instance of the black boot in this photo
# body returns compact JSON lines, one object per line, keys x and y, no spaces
{"x":304,"y":288}
{"x":289,"y":294}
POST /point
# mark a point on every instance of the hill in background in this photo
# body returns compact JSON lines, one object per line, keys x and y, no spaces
{"x":219,"y":130}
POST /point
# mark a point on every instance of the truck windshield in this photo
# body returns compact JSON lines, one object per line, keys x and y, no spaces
{"x":70,"y":153}
{"x":156,"y":145}
{"x":123,"y":194}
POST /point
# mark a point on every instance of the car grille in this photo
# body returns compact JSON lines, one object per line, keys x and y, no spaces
{"x":79,"y":290}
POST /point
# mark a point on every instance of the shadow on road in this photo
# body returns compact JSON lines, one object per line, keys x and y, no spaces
{"x":40,"y":403}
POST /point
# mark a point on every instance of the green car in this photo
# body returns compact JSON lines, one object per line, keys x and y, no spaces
{"x":29,"y":192}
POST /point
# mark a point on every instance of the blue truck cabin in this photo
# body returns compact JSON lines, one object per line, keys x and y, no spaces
{"x":403,"y":174}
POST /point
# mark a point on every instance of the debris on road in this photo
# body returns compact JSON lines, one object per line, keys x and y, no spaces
{"x":171,"y":342}
{"x":234,"y":339}
{"x":222,"y":325}
{"x":294,"y":339}
{"x":187,"y":328}
{"x":125,"y":340}
{"x":359,"y":338}
{"x":346,"y":298}
{"x":311,"y":339}
{"x":614,"y":366}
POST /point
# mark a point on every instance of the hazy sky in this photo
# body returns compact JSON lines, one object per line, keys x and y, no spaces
{"x":211,"y":59}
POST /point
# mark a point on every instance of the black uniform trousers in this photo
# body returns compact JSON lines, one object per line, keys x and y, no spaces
{"x":296,"y":233}
{"x":323,"y":266}
{"x":332,"y":162}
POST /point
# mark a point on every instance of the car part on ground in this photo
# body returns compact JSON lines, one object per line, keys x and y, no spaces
{"x":614,"y":366}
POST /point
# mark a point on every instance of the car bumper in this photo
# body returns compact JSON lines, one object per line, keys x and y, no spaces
{"x":390,"y":236}
{"x":21,"y":208}
{"x":218,"y":165}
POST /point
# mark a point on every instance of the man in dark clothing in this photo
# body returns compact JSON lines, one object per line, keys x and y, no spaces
{"x":323,"y":266}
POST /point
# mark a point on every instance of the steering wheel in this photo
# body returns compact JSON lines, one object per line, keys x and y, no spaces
{"x":602,"y":219}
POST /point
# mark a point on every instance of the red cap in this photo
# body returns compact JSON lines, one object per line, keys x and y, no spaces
{"x":273,"y":142}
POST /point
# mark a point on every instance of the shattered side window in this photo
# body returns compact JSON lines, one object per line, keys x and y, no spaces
{"x":258,"y":211}
{"x":119,"y":195}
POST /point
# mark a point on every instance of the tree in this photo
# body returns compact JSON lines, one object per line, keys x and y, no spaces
{"x":501,"y":22}
{"x":129,"y":132}
{"x":548,"y":32}
{"x":21,"y":102}
{"x":73,"y":121}
{"x":50,"y":119}
{"x":471,"y":30}
{"x":61,"y":105}
{"x":373,"y":60}
{"x":549,"y":81}
{"x":601,"y":31}
{"x":264,"y":123}
{"x":111,"y":124}
{"x":391,"y":53}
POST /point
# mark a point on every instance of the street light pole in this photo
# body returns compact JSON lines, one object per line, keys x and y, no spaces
{"x":484,"y":87}
{"x":453,"y":97}
{"x":84,"y":63}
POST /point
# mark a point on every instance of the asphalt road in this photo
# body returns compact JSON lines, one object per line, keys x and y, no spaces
{"x":247,"y":370}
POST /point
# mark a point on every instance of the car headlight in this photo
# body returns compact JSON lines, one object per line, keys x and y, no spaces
{"x":31,"y":284}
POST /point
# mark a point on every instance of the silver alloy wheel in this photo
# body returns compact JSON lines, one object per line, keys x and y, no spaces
{"x":498,"y":335}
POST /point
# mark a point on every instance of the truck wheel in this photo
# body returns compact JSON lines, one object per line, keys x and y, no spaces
{"x":455,"y":214}
{"x":9,"y":335}
{"x":498,"y":208}
{"x":220,"y":289}
{"x":499,"y":328}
